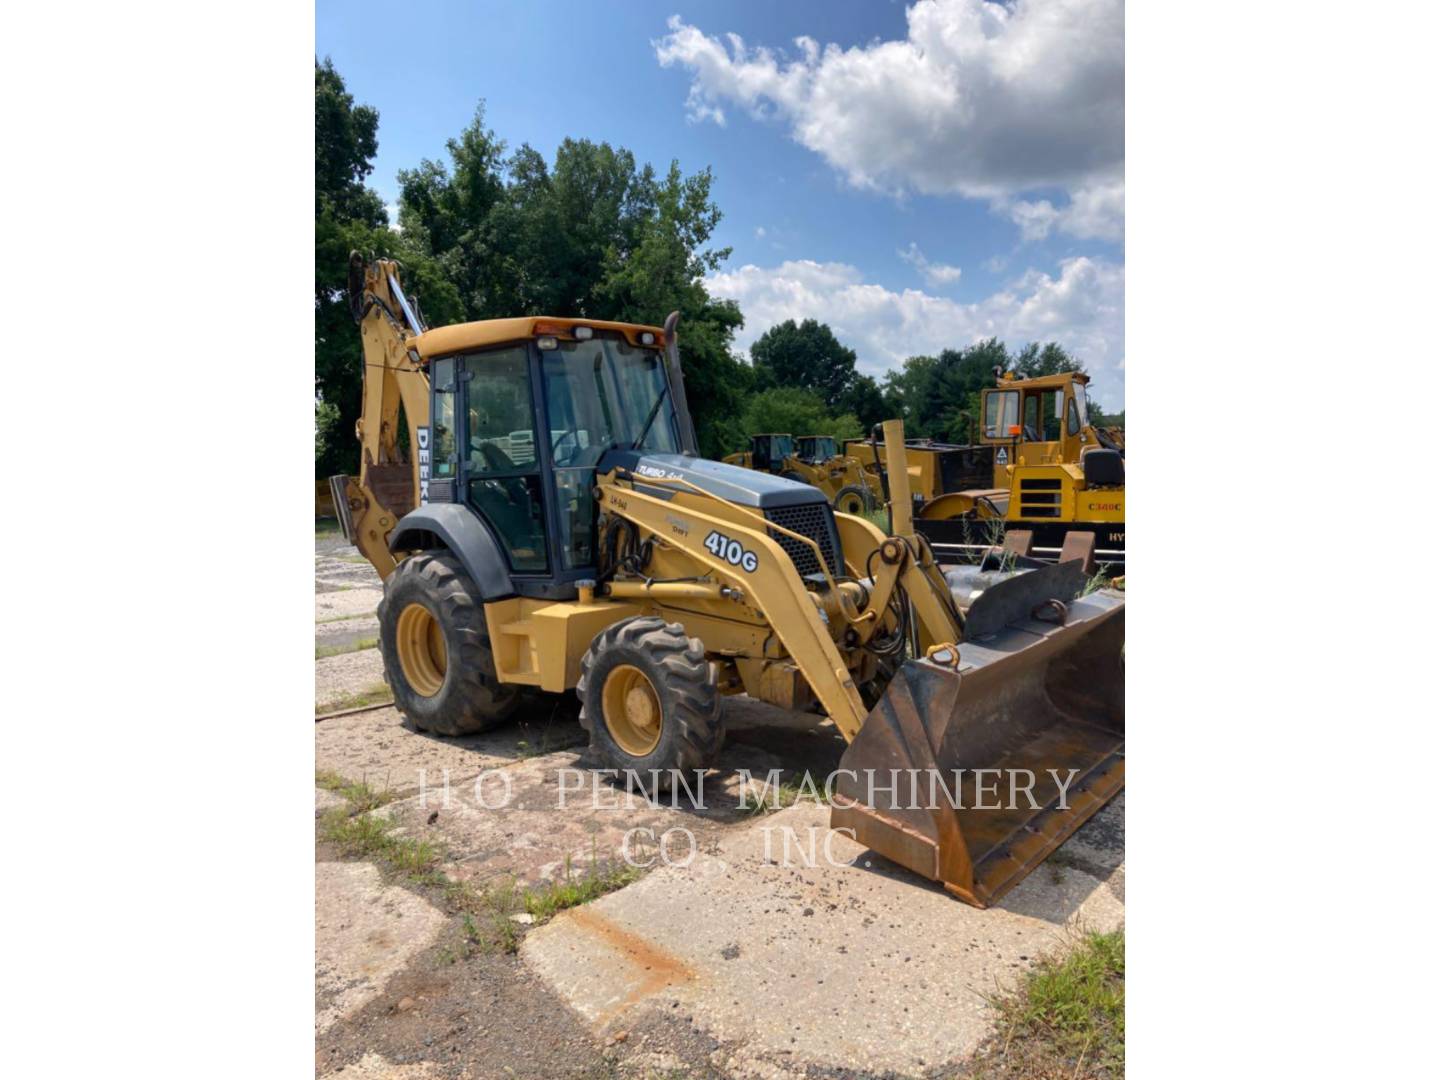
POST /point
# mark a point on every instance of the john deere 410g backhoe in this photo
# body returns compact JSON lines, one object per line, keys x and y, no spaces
{"x":553,"y":529}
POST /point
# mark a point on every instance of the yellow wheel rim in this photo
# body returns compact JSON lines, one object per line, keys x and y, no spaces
{"x":421,"y":645}
{"x":632,"y":710}
{"x":851,"y":504}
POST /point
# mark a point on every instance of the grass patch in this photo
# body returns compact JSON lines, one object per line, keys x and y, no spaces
{"x":790,"y":790}
{"x":360,"y":833}
{"x":488,"y":913}
{"x":487,"y":922}
{"x":1068,"y":1019}
{"x":360,"y":795}
{"x":327,"y":527}
{"x":359,"y":645}
{"x":372,"y":836}
{"x":545,"y":901}
{"x":378,"y":694}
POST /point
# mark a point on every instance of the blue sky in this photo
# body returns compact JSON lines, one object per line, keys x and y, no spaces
{"x":916,"y":175}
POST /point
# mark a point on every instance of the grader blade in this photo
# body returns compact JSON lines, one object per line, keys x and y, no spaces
{"x":972,"y":769}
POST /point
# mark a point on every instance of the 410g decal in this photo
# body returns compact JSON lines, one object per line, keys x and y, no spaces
{"x":722,"y":547}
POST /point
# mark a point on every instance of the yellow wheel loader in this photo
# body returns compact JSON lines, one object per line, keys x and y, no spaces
{"x":1039,"y":468}
{"x":813,"y":460}
{"x":544,"y":525}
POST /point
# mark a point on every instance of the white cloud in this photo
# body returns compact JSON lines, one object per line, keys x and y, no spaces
{"x":760,"y":232}
{"x":1081,"y":306}
{"x":1094,"y":213}
{"x":392,"y":211}
{"x":935,"y":274}
{"x":980,"y":99}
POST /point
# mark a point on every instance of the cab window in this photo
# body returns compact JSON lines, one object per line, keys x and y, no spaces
{"x":445,"y":456}
{"x":504,"y":475}
{"x":1072,"y":419}
{"x":1002,"y":412}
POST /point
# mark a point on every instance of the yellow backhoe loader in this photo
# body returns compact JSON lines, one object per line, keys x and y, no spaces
{"x":813,"y":460}
{"x":546,"y":526}
{"x":1039,"y":467}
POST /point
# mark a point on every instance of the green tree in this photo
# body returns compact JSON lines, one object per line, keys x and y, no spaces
{"x":866,"y":402}
{"x":789,"y":410}
{"x":808,"y":356}
{"x":590,"y":235}
{"x":351,"y":216}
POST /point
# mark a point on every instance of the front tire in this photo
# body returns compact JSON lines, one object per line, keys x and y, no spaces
{"x":436,"y":649}
{"x":649,"y":700}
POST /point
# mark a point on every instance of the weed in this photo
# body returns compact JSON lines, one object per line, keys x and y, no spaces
{"x":544,"y":901}
{"x":359,"y":794}
{"x":787,"y":793}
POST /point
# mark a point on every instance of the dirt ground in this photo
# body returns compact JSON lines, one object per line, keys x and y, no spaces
{"x":736,"y":963}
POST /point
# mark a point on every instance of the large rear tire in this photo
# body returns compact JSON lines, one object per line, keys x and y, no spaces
{"x":853,"y":499}
{"x":436,"y":649}
{"x":649,"y":700}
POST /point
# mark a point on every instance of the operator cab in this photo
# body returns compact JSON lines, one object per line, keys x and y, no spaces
{"x":1041,"y":420}
{"x":815,"y":449}
{"x":768,"y":452}
{"x":520,"y":427}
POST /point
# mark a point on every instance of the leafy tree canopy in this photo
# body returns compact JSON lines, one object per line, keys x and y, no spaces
{"x":590,"y":234}
{"x":807,"y":356}
{"x":793,"y":411}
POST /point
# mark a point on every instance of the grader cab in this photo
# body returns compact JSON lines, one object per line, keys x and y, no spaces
{"x":552,"y":530}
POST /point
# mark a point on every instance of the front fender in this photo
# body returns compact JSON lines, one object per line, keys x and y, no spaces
{"x":460,"y":531}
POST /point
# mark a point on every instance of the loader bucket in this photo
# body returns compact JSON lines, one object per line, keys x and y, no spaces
{"x":1031,"y":699}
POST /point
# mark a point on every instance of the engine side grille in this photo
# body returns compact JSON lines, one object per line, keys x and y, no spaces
{"x":814,"y":520}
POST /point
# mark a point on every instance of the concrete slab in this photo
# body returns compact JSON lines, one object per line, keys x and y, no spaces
{"x":327,"y":800}
{"x":380,"y":747}
{"x":553,"y":806}
{"x":528,"y":817}
{"x":365,"y":932}
{"x":348,"y":603}
{"x":855,"y":965}
{"x":337,"y":677}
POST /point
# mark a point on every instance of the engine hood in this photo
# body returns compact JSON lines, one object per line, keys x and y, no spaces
{"x":734,"y":484}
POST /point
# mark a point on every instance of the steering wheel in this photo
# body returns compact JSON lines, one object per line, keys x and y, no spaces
{"x":570,"y":433}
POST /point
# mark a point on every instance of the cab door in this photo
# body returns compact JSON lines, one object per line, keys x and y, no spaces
{"x":502,"y":474}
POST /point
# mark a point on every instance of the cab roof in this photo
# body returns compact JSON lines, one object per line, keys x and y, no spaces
{"x":467,"y":337}
{"x":1015,"y":382}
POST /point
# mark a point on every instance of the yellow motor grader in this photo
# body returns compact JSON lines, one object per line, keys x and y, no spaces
{"x":546,"y":526}
{"x":813,"y":460}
